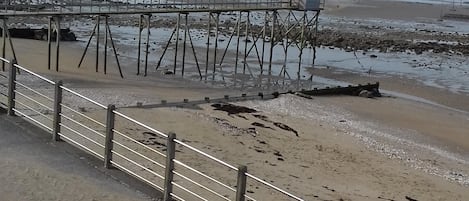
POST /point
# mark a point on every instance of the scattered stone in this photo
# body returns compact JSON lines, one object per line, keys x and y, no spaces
{"x":262,"y":117}
{"x":233,"y":109}
{"x":373,"y":56}
{"x":139,"y":104}
{"x":365,"y":94}
{"x":261,"y":95}
{"x":382,"y":198}
{"x":168,"y":72}
{"x":261,"y":125}
{"x":276,"y":94}
{"x":286,"y":127}
{"x":82,"y":109}
{"x":304,"y":95}
{"x":277,"y":153}
{"x":241,"y":116}
{"x":328,"y":188}
{"x":410,"y":199}
{"x":259,"y":150}
{"x":319,"y":147}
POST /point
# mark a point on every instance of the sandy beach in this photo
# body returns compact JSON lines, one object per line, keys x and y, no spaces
{"x":410,"y":144}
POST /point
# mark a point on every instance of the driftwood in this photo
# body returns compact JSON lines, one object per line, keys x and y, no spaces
{"x":350,"y":90}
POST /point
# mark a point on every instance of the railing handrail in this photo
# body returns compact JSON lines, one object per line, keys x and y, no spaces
{"x":120,"y":114}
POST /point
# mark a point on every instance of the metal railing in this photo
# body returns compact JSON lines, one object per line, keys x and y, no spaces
{"x":106,"y":133}
{"x":92,"y":6}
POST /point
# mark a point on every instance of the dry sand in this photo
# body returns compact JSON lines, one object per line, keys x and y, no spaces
{"x":384,"y":9}
{"x":347,"y":148}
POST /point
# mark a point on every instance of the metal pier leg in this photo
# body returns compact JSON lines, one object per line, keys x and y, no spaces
{"x":49,"y":40}
{"x":57,"y":42}
{"x":147,"y":47}
{"x":302,"y":46}
{"x":184,"y":47}
{"x":98,"y":19}
{"x":178,"y":24}
{"x":286,"y":45}
{"x":9,"y":40}
{"x":315,"y":42}
{"x":272,"y":44}
{"x":208,"y":45}
{"x":195,"y":55}
{"x":4,"y":37}
{"x":246,"y":43}
{"x":263,"y":46}
{"x":115,"y":51}
{"x":226,"y":51}
{"x":216,"y":46}
{"x":237,"y":47}
{"x":106,"y":22}
{"x":165,"y":49}
{"x":87,"y":45}
{"x":140,"y":29}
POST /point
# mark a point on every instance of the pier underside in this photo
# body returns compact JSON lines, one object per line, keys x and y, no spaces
{"x":237,"y":43}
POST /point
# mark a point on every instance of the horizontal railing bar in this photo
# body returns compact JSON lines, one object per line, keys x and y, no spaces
{"x":35,"y":74}
{"x":30,"y":108}
{"x":1,"y":84}
{"x":135,"y":175}
{"x":135,"y":163}
{"x":1,"y":93}
{"x":36,"y":92}
{"x":139,"y":143}
{"x":83,"y":115}
{"x":4,"y":105}
{"x":177,"y":197}
{"x":205,"y":154}
{"x":4,"y":76}
{"x":200,"y":185}
{"x":35,"y":101}
{"x":81,"y":135}
{"x":143,"y":12}
{"x":80,"y":145}
{"x":4,"y":60}
{"x":84,"y":97}
{"x":187,"y":190}
{"x":139,"y":154}
{"x":32,"y":119}
{"x":140,"y":124}
{"x":274,"y":187}
{"x":204,"y":175}
{"x":82,"y":125}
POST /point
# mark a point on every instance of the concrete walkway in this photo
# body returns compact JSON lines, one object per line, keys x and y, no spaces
{"x":32,"y":167}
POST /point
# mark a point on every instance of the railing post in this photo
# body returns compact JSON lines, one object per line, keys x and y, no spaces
{"x":109,"y":136}
{"x":12,"y":88}
{"x":170,"y":154}
{"x":241,"y":184}
{"x":57,"y":110}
